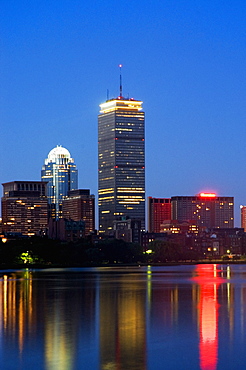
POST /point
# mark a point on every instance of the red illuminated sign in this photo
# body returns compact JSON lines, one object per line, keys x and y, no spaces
{"x":207,"y":195}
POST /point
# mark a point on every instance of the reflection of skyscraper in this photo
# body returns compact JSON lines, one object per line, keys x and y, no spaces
{"x":61,"y":174}
{"x":121,"y":162}
{"x":122,"y":324}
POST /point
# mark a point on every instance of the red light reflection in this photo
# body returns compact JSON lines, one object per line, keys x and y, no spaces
{"x":208,"y":280}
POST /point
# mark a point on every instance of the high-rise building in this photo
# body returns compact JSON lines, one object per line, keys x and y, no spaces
{"x":159,"y":210}
{"x":59,"y":171}
{"x":80,"y":205}
{"x":121,"y":162}
{"x":207,"y":209}
{"x":243,"y":217}
{"x":24,"y":208}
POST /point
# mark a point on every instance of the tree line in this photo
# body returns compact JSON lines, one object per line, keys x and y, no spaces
{"x":45,"y":251}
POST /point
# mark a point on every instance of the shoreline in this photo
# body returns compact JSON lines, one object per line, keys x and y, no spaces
{"x":115,"y":265}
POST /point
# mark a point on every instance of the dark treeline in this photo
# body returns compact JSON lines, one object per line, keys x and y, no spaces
{"x":44,"y":251}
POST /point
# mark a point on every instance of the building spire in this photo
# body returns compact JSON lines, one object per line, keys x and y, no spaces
{"x":120,"y":66}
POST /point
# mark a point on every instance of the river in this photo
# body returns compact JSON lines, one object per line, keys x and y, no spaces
{"x":123,"y":318}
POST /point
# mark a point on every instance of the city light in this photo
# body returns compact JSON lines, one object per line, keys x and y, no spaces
{"x":207,"y":195}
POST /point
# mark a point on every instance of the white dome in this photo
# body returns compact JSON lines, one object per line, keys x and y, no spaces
{"x":58,"y":153}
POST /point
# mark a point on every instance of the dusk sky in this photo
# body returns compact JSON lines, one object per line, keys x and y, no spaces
{"x":184,"y":59}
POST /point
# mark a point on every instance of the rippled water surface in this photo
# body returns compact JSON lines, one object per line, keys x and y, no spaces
{"x":174,"y":317}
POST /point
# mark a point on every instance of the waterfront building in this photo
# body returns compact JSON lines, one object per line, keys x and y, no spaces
{"x":80,"y":205}
{"x":60,"y":172}
{"x":24,"y":208}
{"x":243,"y":217}
{"x":128,"y":230}
{"x":121,"y":162}
{"x":66,"y":230}
{"x":185,"y":227}
{"x":159,"y":210}
{"x":206,"y":209}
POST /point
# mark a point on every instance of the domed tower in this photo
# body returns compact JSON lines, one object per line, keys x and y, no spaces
{"x":60,"y":171}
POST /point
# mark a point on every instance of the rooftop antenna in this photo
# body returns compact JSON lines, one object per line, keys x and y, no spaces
{"x":120,"y":66}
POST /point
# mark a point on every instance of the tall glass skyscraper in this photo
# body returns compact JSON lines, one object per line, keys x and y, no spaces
{"x":121,"y":162}
{"x":59,"y":170}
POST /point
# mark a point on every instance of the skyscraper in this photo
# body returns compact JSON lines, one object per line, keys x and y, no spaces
{"x":59,"y":170}
{"x":121,"y":162}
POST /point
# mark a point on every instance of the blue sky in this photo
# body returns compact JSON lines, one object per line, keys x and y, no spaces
{"x":184,"y":59}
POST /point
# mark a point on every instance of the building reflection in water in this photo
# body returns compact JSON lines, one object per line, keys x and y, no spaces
{"x":18,"y":318}
{"x":116,"y":320}
{"x":122,"y":323}
{"x":51,"y":316}
{"x":208,"y":281}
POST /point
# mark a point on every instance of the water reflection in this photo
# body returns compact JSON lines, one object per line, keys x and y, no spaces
{"x":183,"y":317}
{"x":208,"y":281}
{"x":122,"y":323}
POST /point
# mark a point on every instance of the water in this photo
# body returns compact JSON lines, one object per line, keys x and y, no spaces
{"x":144,"y":318}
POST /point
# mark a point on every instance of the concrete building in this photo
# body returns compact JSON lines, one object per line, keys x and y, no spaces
{"x":206,"y":209}
{"x":159,"y":210}
{"x":24,"y":208}
{"x":80,"y":205}
{"x":128,"y":230}
{"x":243,"y":217}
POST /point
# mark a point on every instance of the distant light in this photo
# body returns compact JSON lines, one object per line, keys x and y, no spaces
{"x":120,"y":65}
{"x":207,"y":195}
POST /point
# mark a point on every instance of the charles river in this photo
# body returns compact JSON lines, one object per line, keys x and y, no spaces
{"x":165,"y":317}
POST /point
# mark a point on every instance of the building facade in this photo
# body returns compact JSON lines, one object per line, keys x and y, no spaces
{"x":66,"y":230}
{"x":159,"y":210}
{"x":243,"y":217}
{"x":206,"y":209}
{"x":24,"y":208}
{"x":60,"y":172}
{"x":80,"y":205}
{"x":121,"y":162}
{"x":128,"y":230}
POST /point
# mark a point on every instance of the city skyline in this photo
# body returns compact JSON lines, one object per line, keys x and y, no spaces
{"x":185,"y":61}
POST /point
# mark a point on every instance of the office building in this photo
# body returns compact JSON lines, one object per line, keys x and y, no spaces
{"x":159,"y":210}
{"x":59,"y":171}
{"x":128,"y":230}
{"x":243,"y":217}
{"x":24,"y":208}
{"x":66,"y":230}
{"x":206,"y":209}
{"x":121,"y":162}
{"x":80,"y":205}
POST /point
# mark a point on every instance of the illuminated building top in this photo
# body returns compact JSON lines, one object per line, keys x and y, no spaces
{"x":121,"y":103}
{"x":59,"y":154}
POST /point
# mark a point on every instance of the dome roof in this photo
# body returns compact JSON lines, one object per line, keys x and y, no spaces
{"x":59,"y":152}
